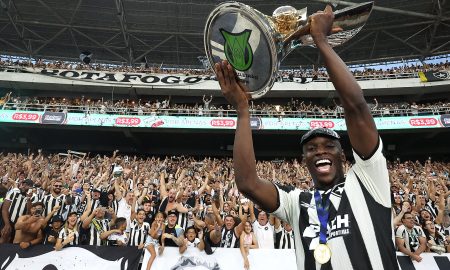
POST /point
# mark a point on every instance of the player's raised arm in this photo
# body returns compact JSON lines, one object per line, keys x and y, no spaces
{"x":260,"y":191}
{"x":360,"y":124}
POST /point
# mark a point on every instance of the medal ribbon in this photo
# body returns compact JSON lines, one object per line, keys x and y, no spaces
{"x":322,"y":213}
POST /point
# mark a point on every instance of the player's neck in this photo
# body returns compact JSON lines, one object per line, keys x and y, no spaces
{"x":326,"y":186}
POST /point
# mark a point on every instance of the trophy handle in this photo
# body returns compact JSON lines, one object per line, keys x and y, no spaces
{"x":350,"y":19}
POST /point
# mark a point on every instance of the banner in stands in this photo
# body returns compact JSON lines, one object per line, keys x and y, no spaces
{"x":138,"y":79}
{"x":199,"y":122}
{"x":12,"y":257}
{"x":135,"y":78}
{"x":231,"y":259}
{"x":430,"y":261}
{"x":222,"y":259}
{"x":433,"y":76}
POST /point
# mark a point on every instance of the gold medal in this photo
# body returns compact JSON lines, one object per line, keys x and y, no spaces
{"x":322,"y":253}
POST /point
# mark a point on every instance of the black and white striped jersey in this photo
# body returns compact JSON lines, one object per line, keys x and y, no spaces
{"x":81,"y":205}
{"x":96,"y":228}
{"x":446,"y":230}
{"x":18,"y":204}
{"x":38,"y":195}
{"x":411,"y":237}
{"x":284,"y":239}
{"x":50,"y":201}
{"x":65,"y":232}
{"x":359,"y":223}
{"x":430,"y":206}
{"x":229,"y":238}
{"x":138,"y":233}
{"x":183,"y":218}
{"x":115,"y":206}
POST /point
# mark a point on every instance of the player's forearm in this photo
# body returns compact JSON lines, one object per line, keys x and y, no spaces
{"x":243,"y":153}
{"x":360,"y":124}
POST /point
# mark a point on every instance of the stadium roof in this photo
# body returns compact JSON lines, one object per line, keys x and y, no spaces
{"x":171,"y":32}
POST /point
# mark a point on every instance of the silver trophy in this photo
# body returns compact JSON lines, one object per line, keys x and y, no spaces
{"x":255,"y":44}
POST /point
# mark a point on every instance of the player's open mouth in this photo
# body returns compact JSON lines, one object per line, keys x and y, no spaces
{"x":323,"y":165}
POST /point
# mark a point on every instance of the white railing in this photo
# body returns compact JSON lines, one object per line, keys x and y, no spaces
{"x":91,"y":109}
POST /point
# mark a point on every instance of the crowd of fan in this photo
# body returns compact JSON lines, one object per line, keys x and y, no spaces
{"x":421,"y":207}
{"x":284,"y":74}
{"x":205,"y":107}
{"x":75,"y":198}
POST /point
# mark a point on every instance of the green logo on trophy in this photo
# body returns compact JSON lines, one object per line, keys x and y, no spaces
{"x":237,"y":49}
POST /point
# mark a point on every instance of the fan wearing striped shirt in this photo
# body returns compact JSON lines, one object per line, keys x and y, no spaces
{"x":345,"y":221}
{"x":79,"y":199}
{"x":16,"y":204}
{"x":284,"y":235}
{"x":54,"y":198}
{"x":436,"y":241}
{"x":410,"y":239}
{"x":99,"y":226}
{"x":139,"y":229}
{"x":70,"y":233}
{"x":231,"y":230}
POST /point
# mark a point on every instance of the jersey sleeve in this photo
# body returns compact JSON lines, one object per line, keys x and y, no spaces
{"x":10,"y":195}
{"x":288,"y":205}
{"x":374,"y":175}
{"x":61,"y":234}
{"x":400,"y":232}
{"x":34,"y":198}
{"x":196,"y":242}
{"x":279,"y":229}
{"x":420,"y":232}
{"x":113,"y":237}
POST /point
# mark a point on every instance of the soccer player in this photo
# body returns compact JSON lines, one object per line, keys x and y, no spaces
{"x":345,"y":221}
